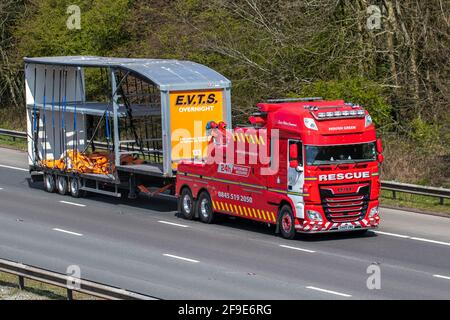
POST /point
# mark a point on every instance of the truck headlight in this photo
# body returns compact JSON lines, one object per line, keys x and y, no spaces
{"x":310,"y":123}
{"x":368,"y":120}
{"x":314,"y":215}
{"x":373,"y":212}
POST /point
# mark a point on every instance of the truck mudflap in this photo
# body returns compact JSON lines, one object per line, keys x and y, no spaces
{"x":319,"y":226}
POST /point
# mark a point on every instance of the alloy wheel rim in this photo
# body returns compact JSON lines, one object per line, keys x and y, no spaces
{"x":286,"y":223}
{"x":48,"y":183}
{"x":61,"y":185}
{"x":204,"y":208}
{"x":187,"y":204}
{"x":74,"y":186}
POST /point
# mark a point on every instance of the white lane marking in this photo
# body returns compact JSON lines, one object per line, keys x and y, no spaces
{"x":329,"y":291}
{"x":173,"y":224}
{"x":432,"y":241}
{"x":412,"y":238}
{"x":180,"y":258}
{"x":392,"y":234}
{"x":295,"y":248}
{"x":68,"y":232}
{"x":73,"y":203}
{"x":14,"y":168}
{"x":442,"y":277}
{"x":1,"y":188}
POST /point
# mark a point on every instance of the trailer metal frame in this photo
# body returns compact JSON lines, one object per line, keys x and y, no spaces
{"x":68,"y":99}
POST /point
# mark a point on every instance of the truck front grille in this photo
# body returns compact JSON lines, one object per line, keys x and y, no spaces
{"x":345,"y":207}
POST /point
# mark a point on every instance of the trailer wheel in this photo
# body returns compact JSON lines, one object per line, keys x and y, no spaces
{"x":74,"y":187}
{"x":49,"y":183}
{"x":287,"y":222}
{"x":205,"y":208}
{"x":61,"y":185}
{"x":186,"y":204}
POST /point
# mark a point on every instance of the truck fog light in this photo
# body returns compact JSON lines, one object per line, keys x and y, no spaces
{"x":314,"y":215}
{"x":373,"y":212}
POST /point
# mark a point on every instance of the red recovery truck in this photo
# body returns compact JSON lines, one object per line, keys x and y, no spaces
{"x":304,"y":165}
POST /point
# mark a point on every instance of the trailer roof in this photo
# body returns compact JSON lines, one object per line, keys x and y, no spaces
{"x":166,"y":74}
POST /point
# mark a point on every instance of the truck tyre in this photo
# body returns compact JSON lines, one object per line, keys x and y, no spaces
{"x":74,"y":187}
{"x":286,"y":222}
{"x":49,"y":183}
{"x":186,"y":204}
{"x":61,"y":185}
{"x":205,"y":208}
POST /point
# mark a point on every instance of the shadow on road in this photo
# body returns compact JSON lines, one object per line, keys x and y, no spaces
{"x":169,"y":206}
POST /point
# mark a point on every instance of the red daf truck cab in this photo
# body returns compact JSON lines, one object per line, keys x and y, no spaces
{"x":305,"y":166}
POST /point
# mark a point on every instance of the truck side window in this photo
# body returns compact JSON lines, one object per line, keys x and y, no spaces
{"x":299,"y":157}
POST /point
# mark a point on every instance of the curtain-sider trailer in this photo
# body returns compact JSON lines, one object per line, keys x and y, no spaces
{"x":116,"y":126}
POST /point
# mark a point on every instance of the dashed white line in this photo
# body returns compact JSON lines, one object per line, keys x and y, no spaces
{"x":173,"y":224}
{"x":431,"y":241}
{"x":68,"y":232}
{"x":14,"y":168}
{"x":392,"y":234}
{"x":180,"y":258}
{"x":329,"y":291}
{"x":295,"y":248}
{"x":441,"y":277}
{"x":412,"y":238}
{"x":73,"y":203}
{"x":1,"y":188}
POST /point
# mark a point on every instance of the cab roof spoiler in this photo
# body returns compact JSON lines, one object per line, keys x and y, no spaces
{"x":293,"y":99}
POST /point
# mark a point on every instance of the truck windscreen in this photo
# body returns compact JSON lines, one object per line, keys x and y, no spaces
{"x":318,"y":155}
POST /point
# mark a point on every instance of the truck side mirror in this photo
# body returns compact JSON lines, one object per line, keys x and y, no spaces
{"x":379,"y":146}
{"x":380,"y":158}
{"x":293,"y":151}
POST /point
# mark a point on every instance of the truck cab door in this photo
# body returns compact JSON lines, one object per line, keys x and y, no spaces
{"x":295,"y":179}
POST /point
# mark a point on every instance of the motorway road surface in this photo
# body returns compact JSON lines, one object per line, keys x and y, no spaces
{"x":143,"y":246}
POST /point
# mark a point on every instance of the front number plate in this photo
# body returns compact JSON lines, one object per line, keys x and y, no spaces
{"x":346,"y":227}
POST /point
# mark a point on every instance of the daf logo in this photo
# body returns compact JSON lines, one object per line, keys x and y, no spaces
{"x":342,"y":190}
{"x":344,"y":176}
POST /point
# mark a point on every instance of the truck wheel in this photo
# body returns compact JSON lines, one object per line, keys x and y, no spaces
{"x":61,"y":185}
{"x":205,"y":208}
{"x":287,"y":222}
{"x":186,"y":204}
{"x":74,"y":188}
{"x":49,"y":183}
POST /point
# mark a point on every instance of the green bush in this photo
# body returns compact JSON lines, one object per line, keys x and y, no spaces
{"x":427,"y":136}
{"x":357,"y":90}
{"x":44,"y":32}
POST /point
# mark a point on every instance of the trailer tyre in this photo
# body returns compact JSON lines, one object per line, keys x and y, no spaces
{"x":49,"y":183}
{"x":62,"y":185}
{"x":205,"y":208}
{"x":186,"y":204}
{"x":74,"y":188}
{"x":287,"y":222}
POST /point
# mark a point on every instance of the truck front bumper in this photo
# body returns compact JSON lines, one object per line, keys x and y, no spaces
{"x":306,"y":226}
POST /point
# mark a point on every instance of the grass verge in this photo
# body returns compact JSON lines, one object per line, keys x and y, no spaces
{"x":414,"y":201}
{"x":10,"y":142}
{"x":34,"y":290}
